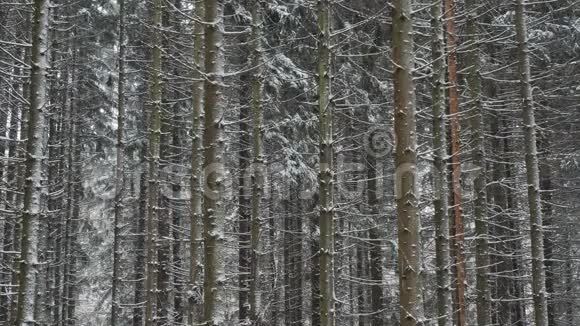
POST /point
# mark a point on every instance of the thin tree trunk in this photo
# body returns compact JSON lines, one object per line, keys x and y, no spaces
{"x":483,"y":305}
{"x":440,"y":204}
{"x":8,"y":244}
{"x":176,"y":216}
{"x":547,"y":215}
{"x":326,"y":176}
{"x":532,"y":170}
{"x":405,"y":161}
{"x":196,"y":159}
{"x":213,"y":215}
{"x":258,"y":159}
{"x":458,"y":227}
{"x":119,"y":170}
{"x":244,"y":210}
{"x":153,"y":156}
{"x":139,"y":264}
{"x":32,"y":201}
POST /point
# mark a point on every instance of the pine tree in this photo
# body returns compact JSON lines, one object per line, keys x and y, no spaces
{"x":119,"y":169}
{"x":213,"y":214}
{"x":479,"y":184}
{"x":155,"y":89}
{"x":326,"y":176}
{"x":458,"y":230}
{"x":406,"y":192}
{"x":32,"y":201}
{"x":532,"y":170}
{"x":196,"y":158}
{"x":442,"y":258}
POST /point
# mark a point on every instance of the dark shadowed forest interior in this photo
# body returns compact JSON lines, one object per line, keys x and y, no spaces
{"x":290,"y":162}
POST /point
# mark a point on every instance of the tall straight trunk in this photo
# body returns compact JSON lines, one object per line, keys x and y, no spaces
{"x":405,"y":162}
{"x":60,"y":243}
{"x":155,"y":89}
{"x":139,"y":263}
{"x":20,"y":173}
{"x":458,"y":227}
{"x":374,"y":234}
{"x":518,"y":307}
{"x":483,"y":305}
{"x":163,"y":243}
{"x":440,"y":204}
{"x":196,"y":159}
{"x":532,"y":170}
{"x":548,"y":223}
{"x":213,"y":215}
{"x":257,"y":157}
{"x":74,"y":188}
{"x":244,"y":210}
{"x":119,"y":169}
{"x":176,"y":216}
{"x":314,"y":273}
{"x":32,"y":202}
{"x":163,"y":215}
{"x":7,"y":244}
{"x":176,"y":279}
{"x":326,"y":175}
{"x":375,"y":243}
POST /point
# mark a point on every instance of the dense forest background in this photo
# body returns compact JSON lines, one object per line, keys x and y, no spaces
{"x":289,"y":162}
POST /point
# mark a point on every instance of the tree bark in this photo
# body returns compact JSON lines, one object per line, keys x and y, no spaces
{"x":440,"y":204}
{"x":532,"y":170}
{"x":483,"y":305}
{"x":458,"y":231}
{"x":258,"y":159}
{"x":196,"y":160}
{"x":32,"y":201}
{"x":119,"y":169}
{"x":405,"y":162}
{"x":326,"y":174}
{"x":155,"y":89}
{"x":213,"y":215}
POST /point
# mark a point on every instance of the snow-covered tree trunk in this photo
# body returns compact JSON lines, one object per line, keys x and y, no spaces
{"x":8,"y":244}
{"x":155,"y":89}
{"x":213,"y":211}
{"x":440,"y":216}
{"x":477,"y":131}
{"x":257,"y":158}
{"x":244,"y":189}
{"x":326,"y":166}
{"x":32,"y":201}
{"x":458,"y":230}
{"x":119,"y":169}
{"x":196,"y":160}
{"x":532,"y":170}
{"x":406,"y":192}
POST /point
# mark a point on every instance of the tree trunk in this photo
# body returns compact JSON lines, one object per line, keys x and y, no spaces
{"x":213,"y":216}
{"x":458,"y":227}
{"x":326,"y":174}
{"x":196,"y":159}
{"x":532,"y":171}
{"x":139,"y":264}
{"x":483,"y":305}
{"x":547,"y":215}
{"x":119,"y":169}
{"x":155,"y":90}
{"x":440,"y":204}
{"x":405,"y":161}
{"x":244,"y":210}
{"x":32,"y":200}
{"x":257,"y":159}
